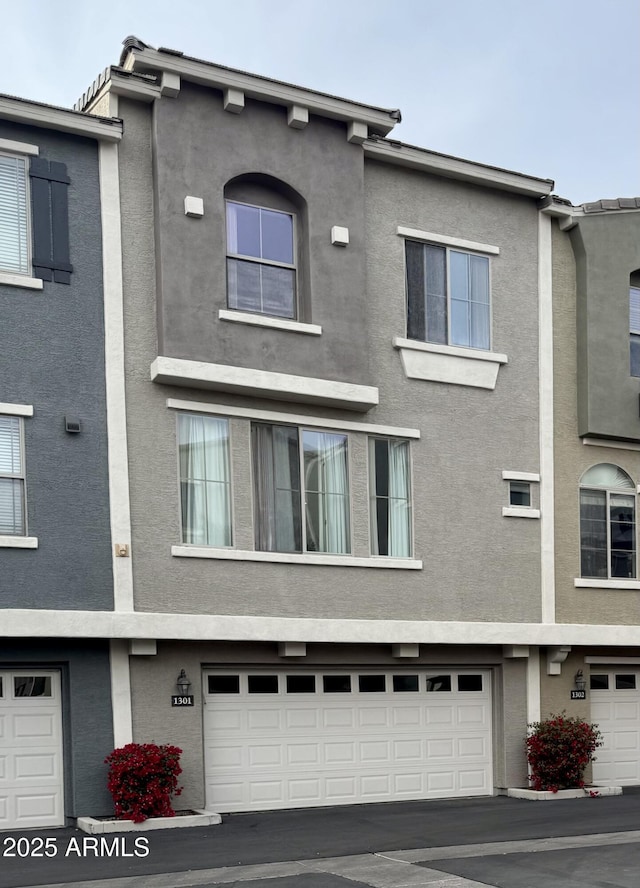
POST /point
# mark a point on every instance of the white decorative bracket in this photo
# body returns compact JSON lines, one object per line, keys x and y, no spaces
{"x":515,"y":651}
{"x":555,"y":658}
{"x":233,"y":100}
{"x":292,"y":649}
{"x":143,"y":647}
{"x":170,"y":85}
{"x":357,"y":132}
{"x":297,"y":116}
{"x":405,"y":650}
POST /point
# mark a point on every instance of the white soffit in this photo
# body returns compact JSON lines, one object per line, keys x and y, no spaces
{"x":263,"y":384}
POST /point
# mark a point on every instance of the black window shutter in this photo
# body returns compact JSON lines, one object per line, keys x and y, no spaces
{"x":49,"y":201}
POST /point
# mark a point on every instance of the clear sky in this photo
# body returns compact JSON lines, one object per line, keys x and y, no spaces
{"x":546,"y":87}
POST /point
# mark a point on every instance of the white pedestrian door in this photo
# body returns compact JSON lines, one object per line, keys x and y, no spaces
{"x":615,"y":708}
{"x":30,"y":750}
{"x":290,"y":739}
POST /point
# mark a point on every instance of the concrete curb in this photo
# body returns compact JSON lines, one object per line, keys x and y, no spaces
{"x":198,"y":818}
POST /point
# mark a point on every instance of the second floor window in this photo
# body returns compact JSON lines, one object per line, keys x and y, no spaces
{"x":12,"y":495}
{"x":14,"y":246}
{"x":634,"y":330}
{"x":301,"y":490}
{"x":447,"y":296}
{"x":205,"y":480}
{"x":261,"y":268}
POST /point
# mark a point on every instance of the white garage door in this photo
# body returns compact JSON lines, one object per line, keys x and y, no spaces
{"x":30,"y":750}
{"x":301,"y":739}
{"x":615,"y":708}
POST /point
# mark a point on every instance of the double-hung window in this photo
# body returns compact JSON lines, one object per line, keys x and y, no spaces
{"x":261,"y":268}
{"x":607,"y":523}
{"x":301,"y":490}
{"x":14,"y":215}
{"x":205,"y":480}
{"x":448,"y":296}
{"x":389,"y":491}
{"x":634,"y":330}
{"x":12,"y":477}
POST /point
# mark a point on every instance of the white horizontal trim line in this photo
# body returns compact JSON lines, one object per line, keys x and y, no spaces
{"x":19,"y":147}
{"x":61,"y":119}
{"x":605,"y":442}
{"x":16,"y":409}
{"x":27,"y":623}
{"x":456,"y":351}
{"x":581,"y":583}
{"x":242,"y":317}
{"x":20,"y":280}
{"x":520,"y":476}
{"x":295,"y":558}
{"x":431,"y":238}
{"x":457,"y":168}
{"x":147,"y":59}
{"x":519,"y":512}
{"x":293,"y":418}
{"x":18,"y":542}
{"x":614,"y":661}
{"x":263,"y":383}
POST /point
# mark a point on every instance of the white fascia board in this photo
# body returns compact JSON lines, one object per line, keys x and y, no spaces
{"x":263,"y":89}
{"x":191,"y":627}
{"x":264,"y":383}
{"x":431,"y":237}
{"x":300,"y":419}
{"x":457,"y":168}
{"x":107,"y":129}
{"x":16,"y":409}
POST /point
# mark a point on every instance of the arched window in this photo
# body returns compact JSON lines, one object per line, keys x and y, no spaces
{"x":265,"y":221}
{"x":607,"y":523}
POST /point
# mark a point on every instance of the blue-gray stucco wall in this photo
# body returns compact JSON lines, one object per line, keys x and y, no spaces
{"x":52,"y":356}
{"x":86,"y":714}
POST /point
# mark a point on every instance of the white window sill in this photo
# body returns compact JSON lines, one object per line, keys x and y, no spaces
{"x":448,"y":363}
{"x":243,"y":317}
{"x":295,"y":558}
{"x":519,"y":512}
{"x":16,"y":542}
{"x":580,"y":583}
{"x":20,"y":280}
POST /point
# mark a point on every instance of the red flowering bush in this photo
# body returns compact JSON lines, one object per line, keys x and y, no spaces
{"x":558,"y":751}
{"x":142,"y":779}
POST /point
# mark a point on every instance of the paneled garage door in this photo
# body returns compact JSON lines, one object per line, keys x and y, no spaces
{"x":301,"y":739}
{"x":30,"y":750}
{"x":615,"y":708}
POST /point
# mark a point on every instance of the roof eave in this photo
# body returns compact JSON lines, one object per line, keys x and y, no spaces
{"x":108,"y":129}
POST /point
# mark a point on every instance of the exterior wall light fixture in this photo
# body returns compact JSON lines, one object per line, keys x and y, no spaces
{"x":183,"y":684}
{"x":580,"y":681}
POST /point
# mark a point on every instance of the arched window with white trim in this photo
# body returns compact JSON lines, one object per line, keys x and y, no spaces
{"x":607,"y":523}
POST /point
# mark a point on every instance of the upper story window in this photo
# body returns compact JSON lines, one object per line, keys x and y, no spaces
{"x":261,"y":268}
{"x":389,"y":491}
{"x":448,"y":296}
{"x":301,"y":490}
{"x":12,"y":477}
{"x":205,"y":480}
{"x":607,"y":523}
{"x":14,"y":215}
{"x":634,"y":327}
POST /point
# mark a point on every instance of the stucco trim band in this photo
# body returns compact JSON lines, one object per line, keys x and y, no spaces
{"x":20,"y":280}
{"x":581,"y":583}
{"x":263,"y":383}
{"x":16,"y":409}
{"x":442,"y":363}
{"x":366,"y":428}
{"x":295,"y":558}
{"x":18,"y":542}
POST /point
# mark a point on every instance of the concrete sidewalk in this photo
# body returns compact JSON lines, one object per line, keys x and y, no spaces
{"x":300,"y":838}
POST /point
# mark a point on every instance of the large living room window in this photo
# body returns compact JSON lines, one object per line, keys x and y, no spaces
{"x":607,"y":523}
{"x":301,"y":489}
{"x":261,"y":268}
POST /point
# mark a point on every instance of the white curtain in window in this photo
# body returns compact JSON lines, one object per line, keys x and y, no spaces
{"x":205,"y":480}
{"x":277,"y":488}
{"x":14,"y":251}
{"x":399,"y":514}
{"x":327,"y":492}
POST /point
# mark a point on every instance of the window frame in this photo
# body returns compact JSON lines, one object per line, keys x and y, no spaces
{"x":634,"y":331}
{"x":229,"y":461}
{"x":449,"y":245}
{"x":21,"y":151}
{"x":242,"y":257}
{"x":301,"y":429}
{"x":22,"y":477}
{"x":608,"y":491}
{"x":372,"y":496}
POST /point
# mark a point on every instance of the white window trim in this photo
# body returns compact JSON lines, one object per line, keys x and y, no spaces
{"x":19,"y":147}
{"x":292,"y":419}
{"x":379,"y":561}
{"x":457,"y":351}
{"x":20,"y":280}
{"x":258,"y":320}
{"x":18,"y":542}
{"x":520,"y":476}
{"x":16,"y":409}
{"x":428,"y":237}
{"x":589,"y":583}
{"x":449,"y":363}
{"x":520,"y":512}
